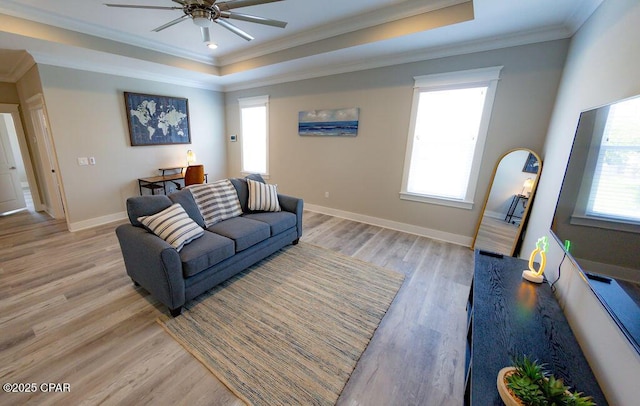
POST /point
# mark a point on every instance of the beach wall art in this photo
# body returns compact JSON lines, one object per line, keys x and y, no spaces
{"x":332,"y":123}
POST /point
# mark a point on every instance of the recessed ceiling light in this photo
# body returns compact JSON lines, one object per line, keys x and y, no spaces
{"x":212,"y":45}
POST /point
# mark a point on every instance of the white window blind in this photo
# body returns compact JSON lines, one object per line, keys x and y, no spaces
{"x":449,"y":122}
{"x":254,"y":117}
{"x":615,"y":190}
{"x":444,"y":141}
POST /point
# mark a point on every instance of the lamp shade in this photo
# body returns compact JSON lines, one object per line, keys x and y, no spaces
{"x":526,"y":186}
{"x":191,"y":157}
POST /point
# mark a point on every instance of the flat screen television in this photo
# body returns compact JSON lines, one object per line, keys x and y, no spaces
{"x":597,"y":216}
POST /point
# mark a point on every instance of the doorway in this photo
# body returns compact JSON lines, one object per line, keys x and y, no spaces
{"x":52,"y":198}
{"x":16,"y":174}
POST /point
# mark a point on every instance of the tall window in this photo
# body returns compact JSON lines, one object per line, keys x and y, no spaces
{"x":449,"y":121}
{"x":254,"y":121}
{"x":615,"y":190}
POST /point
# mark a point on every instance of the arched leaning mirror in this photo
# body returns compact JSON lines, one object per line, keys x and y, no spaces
{"x":508,"y":201}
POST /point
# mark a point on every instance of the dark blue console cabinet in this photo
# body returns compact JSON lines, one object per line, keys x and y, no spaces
{"x":507,"y":317}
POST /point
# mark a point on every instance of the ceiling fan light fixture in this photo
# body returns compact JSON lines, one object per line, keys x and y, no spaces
{"x":201,"y":18}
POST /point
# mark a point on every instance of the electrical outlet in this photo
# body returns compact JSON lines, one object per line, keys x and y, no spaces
{"x":83,"y":161}
{"x":326,"y":195}
{"x":92,"y":160}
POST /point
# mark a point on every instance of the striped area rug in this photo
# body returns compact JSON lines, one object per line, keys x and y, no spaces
{"x":289,"y":330}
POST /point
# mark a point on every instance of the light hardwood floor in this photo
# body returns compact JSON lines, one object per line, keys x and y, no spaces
{"x":69,"y":314}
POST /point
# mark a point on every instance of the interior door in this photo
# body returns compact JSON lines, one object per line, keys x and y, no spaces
{"x":11,"y":196}
{"x":54,"y":206}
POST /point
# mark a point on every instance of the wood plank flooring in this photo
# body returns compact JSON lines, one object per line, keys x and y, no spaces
{"x":69,"y":314}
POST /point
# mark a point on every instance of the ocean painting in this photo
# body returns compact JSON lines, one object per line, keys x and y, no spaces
{"x":336,"y":123}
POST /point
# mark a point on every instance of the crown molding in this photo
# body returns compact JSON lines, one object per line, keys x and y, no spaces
{"x":485,"y":44}
{"x":339,"y":27}
{"x":581,"y":13}
{"x":19,"y":68}
{"x":206,"y":81}
{"x":16,"y":9}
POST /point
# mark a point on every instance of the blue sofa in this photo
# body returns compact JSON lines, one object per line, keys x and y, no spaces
{"x":225,"y":249}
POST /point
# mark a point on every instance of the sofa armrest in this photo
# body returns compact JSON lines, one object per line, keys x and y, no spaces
{"x":293,"y":205}
{"x":153,"y":264}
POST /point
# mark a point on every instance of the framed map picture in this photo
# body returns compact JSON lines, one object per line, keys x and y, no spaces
{"x":157,"y":120}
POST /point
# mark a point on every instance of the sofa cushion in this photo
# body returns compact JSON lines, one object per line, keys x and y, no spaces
{"x":173,"y":225}
{"x":278,"y":221}
{"x":217,"y":201}
{"x":262,"y":196}
{"x":139,"y":206}
{"x":205,"y":252}
{"x":243,"y":231}
{"x":188,"y":203}
{"x":243,"y":190}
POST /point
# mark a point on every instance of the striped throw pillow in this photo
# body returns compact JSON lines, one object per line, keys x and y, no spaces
{"x":217,"y":201}
{"x":173,"y":225}
{"x":262,"y":196}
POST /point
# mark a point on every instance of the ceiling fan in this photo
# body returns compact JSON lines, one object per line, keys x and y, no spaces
{"x":203,"y":12}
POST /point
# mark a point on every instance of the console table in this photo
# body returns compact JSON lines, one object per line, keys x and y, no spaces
{"x":515,"y":202}
{"x":160,"y":182}
{"x":509,"y":316}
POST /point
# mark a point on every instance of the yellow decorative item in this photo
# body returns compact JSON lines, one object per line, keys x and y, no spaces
{"x":531,"y":274}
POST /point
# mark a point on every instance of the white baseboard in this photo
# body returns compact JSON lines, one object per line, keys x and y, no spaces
{"x":393,"y":225}
{"x":494,"y":215}
{"x":97,"y":221}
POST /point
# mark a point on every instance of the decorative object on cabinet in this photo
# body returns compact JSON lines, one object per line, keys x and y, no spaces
{"x":531,"y":274}
{"x":495,"y":231}
{"x":157,"y":120}
{"x":528,"y":383}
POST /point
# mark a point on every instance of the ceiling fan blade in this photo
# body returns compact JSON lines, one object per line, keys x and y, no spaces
{"x":230,"y":5}
{"x":146,"y":7}
{"x":170,"y":23}
{"x":226,"y":24}
{"x":253,"y":19}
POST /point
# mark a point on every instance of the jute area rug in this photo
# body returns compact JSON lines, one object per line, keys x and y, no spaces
{"x":289,"y":330}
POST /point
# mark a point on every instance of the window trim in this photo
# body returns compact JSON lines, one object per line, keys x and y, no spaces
{"x":451,"y":80}
{"x":256,"y":101}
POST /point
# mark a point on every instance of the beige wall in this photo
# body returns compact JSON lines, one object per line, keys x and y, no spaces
{"x":363,"y":174}
{"x":602,"y":66}
{"x":87,"y":117}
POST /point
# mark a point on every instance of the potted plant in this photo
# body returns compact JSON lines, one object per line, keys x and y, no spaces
{"x":527,"y":383}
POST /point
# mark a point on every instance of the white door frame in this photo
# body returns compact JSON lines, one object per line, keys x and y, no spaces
{"x":48,"y":156}
{"x":14,"y":110}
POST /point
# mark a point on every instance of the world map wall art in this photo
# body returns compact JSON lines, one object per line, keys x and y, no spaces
{"x":336,"y":123}
{"x":157,"y":120}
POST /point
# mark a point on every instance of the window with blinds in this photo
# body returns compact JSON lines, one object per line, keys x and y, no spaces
{"x":254,"y":122}
{"x":449,"y":122}
{"x":615,"y":189}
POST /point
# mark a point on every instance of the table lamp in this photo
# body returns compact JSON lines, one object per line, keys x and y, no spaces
{"x":526,"y":187}
{"x":531,"y":274}
{"x":191,"y":157}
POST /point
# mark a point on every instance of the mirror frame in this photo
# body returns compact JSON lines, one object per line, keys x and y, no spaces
{"x":525,"y":214}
